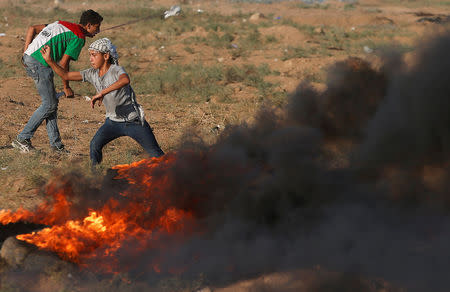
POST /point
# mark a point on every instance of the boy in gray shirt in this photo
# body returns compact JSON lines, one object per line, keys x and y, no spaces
{"x":124,"y":116}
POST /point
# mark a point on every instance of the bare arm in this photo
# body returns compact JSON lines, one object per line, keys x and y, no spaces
{"x":31,"y":33}
{"x":64,"y":63}
{"x":62,"y":72}
{"x":123,"y":80}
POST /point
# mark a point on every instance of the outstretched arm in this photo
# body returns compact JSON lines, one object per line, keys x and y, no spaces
{"x":31,"y":33}
{"x":123,"y":80}
{"x":63,"y":73}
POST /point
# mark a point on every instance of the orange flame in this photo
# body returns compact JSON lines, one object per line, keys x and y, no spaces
{"x":101,"y":234}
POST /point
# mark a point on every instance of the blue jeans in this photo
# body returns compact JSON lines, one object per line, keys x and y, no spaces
{"x":43,"y":79}
{"x":111,"y":130}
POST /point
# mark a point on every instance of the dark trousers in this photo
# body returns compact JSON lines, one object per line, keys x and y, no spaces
{"x":112,"y":130}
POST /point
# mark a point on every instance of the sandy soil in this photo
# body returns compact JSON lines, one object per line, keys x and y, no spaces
{"x":78,"y":122}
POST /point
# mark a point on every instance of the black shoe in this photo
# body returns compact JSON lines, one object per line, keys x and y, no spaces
{"x":23,"y":145}
{"x":60,"y":149}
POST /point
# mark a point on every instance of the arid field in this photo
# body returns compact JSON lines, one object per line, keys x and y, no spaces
{"x":291,"y":116}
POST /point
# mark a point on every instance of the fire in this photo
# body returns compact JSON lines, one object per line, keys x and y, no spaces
{"x":138,"y":215}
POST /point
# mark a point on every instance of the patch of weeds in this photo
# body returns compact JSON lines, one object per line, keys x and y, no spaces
{"x":36,"y":179}
{"x":216,"y":22}
{"x":195,"y":40}
{"x":216,"y":41}
{"x":386,"y":46}
{"x":189,"y":50}
{"x":254,"y":77}
{"x":250,"y":75}
{"x":373,"y":10}
{"x":234,"y":74}
{"x":313,"y":6}
{"x":55,"y":13}
{"x":297,"y":52}
{"x":349,"y":6}
{"x":316,"y":77}
{"x":305,"y":28}
{"x":271,"y":39}
{"x":132,"y":13}
{"x":237,"y":52}
{"x":7,"y":70}
{"x":34,"y":167}
{"x":279,"y":98}
{"x":414,"y":3}
{"x":188,"y":82}
{"x":253,"y":39}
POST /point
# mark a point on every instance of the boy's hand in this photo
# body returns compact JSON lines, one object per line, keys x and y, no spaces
{"x":98,"y":97}
{"x":45,"y":51}
{"x":68,"y":92}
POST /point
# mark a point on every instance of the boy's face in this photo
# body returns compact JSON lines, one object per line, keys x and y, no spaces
{"x":92,"y":29}
{"x":97,"y":59}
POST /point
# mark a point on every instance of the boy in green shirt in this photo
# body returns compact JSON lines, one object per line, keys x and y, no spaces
{"x":66,"y":40}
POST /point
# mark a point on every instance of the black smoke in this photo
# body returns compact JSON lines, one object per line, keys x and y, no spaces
{"x":353,"y":178}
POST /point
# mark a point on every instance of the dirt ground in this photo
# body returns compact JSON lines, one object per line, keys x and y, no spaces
{"x":21,"y":175}
{"x":170,"y":118}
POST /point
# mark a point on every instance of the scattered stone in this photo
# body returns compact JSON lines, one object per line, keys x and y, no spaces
{"x":216,"y":129}
{"x":41,"y":260}
{"x":319,"y":30}
{"x":16,"y":102}
{"x":14,"y":251}
{"x":256,"y":16}
{"x":437,"y":19}
{"x":367,"y":50}
{"x":22,"y":255}
{"x":383,"y":20}
{"x":423,"y":14}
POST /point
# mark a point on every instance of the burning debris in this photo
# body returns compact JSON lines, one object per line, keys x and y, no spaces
{"x":269,"y":197}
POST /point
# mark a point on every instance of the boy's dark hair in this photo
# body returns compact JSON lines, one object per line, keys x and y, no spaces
{"x":90,"y":16}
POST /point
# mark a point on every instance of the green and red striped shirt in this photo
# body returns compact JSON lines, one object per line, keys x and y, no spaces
{"x":63,"y":38}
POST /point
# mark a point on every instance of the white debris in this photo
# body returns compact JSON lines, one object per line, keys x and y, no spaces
{"x":200,"y":11}
{"x":85,"y":121}
{"x":174,"y":10}
{"x":367,"y":49}
{"x":2,"y":34}
{"x":256,"y":16}
{"x":5,"y":168}
{"x":87,"y":98}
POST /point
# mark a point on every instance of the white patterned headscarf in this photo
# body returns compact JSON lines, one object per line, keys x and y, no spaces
{"x":104,"y":45}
